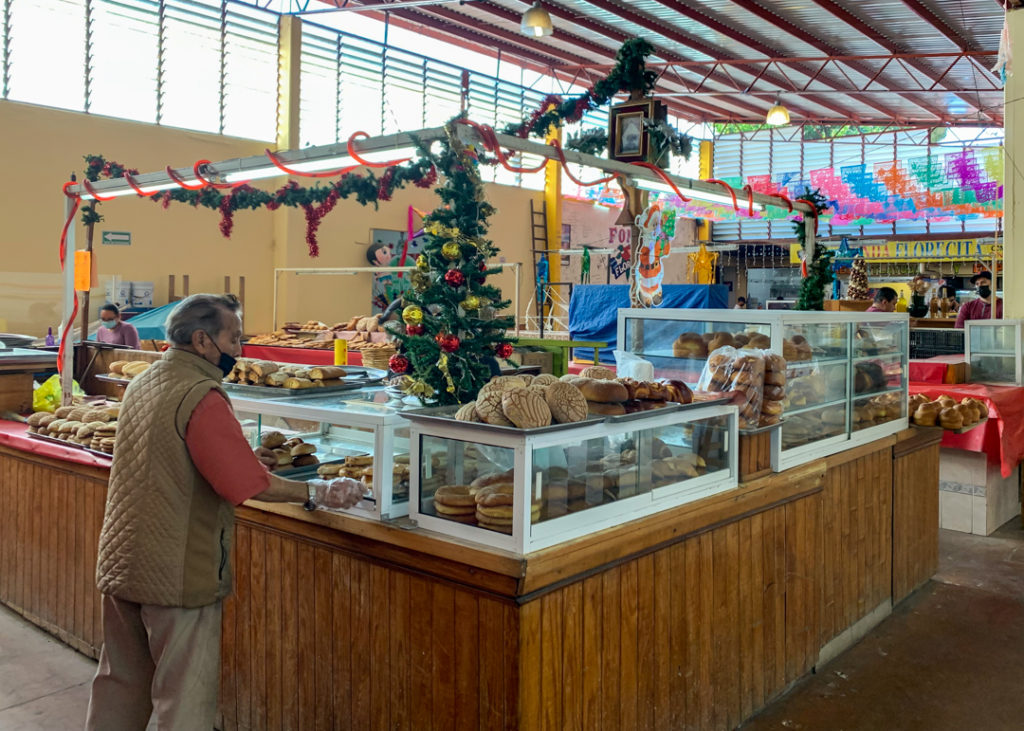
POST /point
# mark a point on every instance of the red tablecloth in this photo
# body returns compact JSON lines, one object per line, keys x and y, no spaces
{"x":14,"y":434}
{"x":306,"y":356}
{"x":932,"y":370}
{"x":1002,"y":436}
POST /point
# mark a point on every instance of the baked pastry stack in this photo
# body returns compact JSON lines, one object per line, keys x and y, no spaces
{"x":291,"y":452}
{"x":127,"y":369}
{"x":252,"y":372}
{"x":690,"y":345}
{"x":741,"y":372}
{"x":85,"y":426}
{"x":774,"y":389}
{"x":526,"y":402}
{"x":796,"y":349}
{"x":946,"y":412}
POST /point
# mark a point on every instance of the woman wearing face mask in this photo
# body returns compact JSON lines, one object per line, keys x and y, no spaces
{"x":114,"y":331}
{"x":981,"y":308}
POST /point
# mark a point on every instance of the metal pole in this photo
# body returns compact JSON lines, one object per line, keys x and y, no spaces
{"x":67,"y":325}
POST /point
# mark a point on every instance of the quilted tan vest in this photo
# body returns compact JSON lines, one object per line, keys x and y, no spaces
{"x":166,"y":535}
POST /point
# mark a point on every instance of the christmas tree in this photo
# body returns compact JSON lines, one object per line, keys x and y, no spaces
{"x":449,"y":332}
{"x":858,"y":289}
{"x":819,"y":265}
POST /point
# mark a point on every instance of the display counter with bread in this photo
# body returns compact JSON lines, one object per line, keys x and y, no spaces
{"x":522,"y":490}
{"x":845,"y":378}
{"x":358,"y":434}
{"x":994,"y":349}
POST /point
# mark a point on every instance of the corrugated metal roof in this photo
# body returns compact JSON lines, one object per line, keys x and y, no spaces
{"x":874,"y":61}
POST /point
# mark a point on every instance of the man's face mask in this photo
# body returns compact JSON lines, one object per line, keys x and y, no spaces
{"x":226,"y":363}
{"x":985,"y":291}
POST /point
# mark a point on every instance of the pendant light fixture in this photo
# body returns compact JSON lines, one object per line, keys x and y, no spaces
{"x":536,"y":22}
{"x":778,"y":115}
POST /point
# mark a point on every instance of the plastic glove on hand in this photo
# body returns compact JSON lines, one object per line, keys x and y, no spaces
{"x":266,"y":456}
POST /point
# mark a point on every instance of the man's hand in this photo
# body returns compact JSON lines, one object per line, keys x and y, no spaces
{"x":339,"y":493}
{"x":266,"y":456}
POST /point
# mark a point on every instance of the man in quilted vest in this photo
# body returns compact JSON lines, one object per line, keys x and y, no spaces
{"x":181,"y":465}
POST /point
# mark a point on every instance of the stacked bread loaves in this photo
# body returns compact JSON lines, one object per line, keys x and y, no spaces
{"x":526,"y":402}
{"x":290,"y":452}
{"x":127,"y":368}
{"x":946,"y":412}
{"x":94,"y":427}
{"x":487,"y":502}
{"x":741,"y":372}
{"x":249,"y":371}
{"x":774,"y":389}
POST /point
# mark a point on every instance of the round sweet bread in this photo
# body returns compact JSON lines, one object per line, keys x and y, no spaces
{"x":501,"y":493}
{"x":566,"y":403}
{"x":720,"y":340}
{"x":447,"y":510}
{"x":598,"y":372}
{"x":454,"y":496}
{"x":488,"y":407}
{"x":467,"y":412}
{"x":526,"y":408}
{"x":604,"y":391}
{"x":495,"y":511}
{"x":273,"y":439}
{"x":63,"y":411}
{"x":544,"y":379}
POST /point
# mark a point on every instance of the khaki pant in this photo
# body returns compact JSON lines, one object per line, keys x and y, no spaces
{"x":159,"y":661}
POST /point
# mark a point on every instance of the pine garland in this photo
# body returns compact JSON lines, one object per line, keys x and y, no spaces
{"x":819,"y":268}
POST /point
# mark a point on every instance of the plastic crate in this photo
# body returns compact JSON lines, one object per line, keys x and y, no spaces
{"x":927,"y":342}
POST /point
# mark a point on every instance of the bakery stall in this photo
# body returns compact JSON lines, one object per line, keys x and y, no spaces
{"x":621,"y":569}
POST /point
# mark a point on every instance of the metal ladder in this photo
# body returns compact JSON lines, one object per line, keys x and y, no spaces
{"x":549,"y":305}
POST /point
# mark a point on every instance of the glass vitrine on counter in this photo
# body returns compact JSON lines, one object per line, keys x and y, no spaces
{"x":846,"y":372}
{"x":523,"y":490}
{"x":360,"y":427}
{"x":994,"y":350}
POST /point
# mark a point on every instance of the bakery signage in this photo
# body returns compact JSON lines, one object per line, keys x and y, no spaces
{"x":935,"y":250}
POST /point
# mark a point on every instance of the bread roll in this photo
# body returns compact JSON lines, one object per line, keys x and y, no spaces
{"x":608,"y":409}
{"x":604,"y":391}
{"x":566,"y":403}
{"x":525,"y":408}
{"x":927,"y":413}
{"x":326,"y":373}
{"x":773,"y":408}
{"x":950,"y":418}
{"x":544,"y":379}
{"x":598,"y":372}
{"x":488,"y":408}
{"x":272,"y":439}
{"x":305,"y":460}
{"x":689,"y":345}
{"x":298,"y":383}
{"x":467,"y":412}
{"x":300,"y":449}
{"x":720,"y":340}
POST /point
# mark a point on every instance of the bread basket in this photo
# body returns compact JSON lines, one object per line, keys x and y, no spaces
{"x":377,"y":357}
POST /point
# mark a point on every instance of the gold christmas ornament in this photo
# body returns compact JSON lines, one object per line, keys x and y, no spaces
{"x":420,"y":389}
{"x":422,"y":264}
{"x":451,"y":251}
{"x":420,"y":281}
{"x":442,"y":364}
{"x":472,"y":302}
{"x":412,"y":315}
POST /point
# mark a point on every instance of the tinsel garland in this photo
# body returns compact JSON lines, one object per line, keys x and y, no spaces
{"x":99,"y":168}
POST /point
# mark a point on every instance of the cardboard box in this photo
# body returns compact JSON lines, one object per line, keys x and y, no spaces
{"x":142,"y":294}
{"x":540,"y":358}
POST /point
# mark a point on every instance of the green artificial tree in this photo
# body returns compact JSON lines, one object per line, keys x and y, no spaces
{"x":819,"y":265}
{"x":449,"y":332}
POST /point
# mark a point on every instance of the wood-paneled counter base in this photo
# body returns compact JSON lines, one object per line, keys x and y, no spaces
{"x":694,"y":617}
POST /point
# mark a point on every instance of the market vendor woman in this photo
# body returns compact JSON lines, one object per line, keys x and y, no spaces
{"x":115,"y":331}
{"x":981,"y":308}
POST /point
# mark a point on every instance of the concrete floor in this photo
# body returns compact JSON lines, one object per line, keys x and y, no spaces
{"x":950,"y":657}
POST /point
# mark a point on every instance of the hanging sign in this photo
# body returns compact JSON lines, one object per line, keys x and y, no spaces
{"x":916,"y":251}
{"x":116,"y":238}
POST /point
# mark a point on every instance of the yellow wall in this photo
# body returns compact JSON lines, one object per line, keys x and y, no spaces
{"x":42,"y":146}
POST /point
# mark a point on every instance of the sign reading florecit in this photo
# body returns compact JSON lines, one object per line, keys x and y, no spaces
{"x":116,"y":238}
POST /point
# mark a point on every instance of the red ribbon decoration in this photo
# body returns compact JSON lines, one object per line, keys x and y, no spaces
{"x":366,"y":163}
{"x":63,"y":258}
{"x":786,"y":200}
{"x":136,"y":188}
{"x":490,"y":140}
{"x":92,"y":191}
{"x":180,"y":181}
{"x":728,"y":188}
{"x":565,"y":166}
{"x":210,"y":183}
{"x":272,"y":156}
{"x":664,"y":176}
{"x":750,"y":200}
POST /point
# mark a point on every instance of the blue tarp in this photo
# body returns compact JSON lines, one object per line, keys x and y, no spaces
{"x":150,"y":324}
{"x":594,"y":310}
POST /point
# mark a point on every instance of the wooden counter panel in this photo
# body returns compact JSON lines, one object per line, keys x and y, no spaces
{"x":316,"y":638}
{"x":700,"y":633}
{"x":915,"y":516}
{"x":50,"y":519}
{"x":857,"y":540}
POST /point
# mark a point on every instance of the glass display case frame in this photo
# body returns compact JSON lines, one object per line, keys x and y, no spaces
{"x":851,"y":357}
{"x":528,"y":535}
{"x":979,"y":345}
{"x":365,"y":418}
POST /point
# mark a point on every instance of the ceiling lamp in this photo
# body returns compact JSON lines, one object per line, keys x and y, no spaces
{"x":778,"y":115}
{"x":536,"y":22}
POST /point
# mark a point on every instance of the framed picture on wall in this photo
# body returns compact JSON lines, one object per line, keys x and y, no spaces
{"x":630,"y":141}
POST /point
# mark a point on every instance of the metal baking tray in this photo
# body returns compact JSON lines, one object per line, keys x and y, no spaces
{"x":761,"y":429}
{"x":668,"y":407}
{"x":112,"y":379}
{"x":357,"y":377}
{"x":961,"y":430}
{"x":445,"y":415}
{"x":54,"y":440}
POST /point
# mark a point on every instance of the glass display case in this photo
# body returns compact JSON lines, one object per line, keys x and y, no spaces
{"x":362,"y":427}
{"x":526,"y":489}
{"x":993,"y":349}
{"x":846,"y":372}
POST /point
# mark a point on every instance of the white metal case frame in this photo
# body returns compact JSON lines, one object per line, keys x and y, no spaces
{"x":527,"y":537}
{"x":1017,"y":352}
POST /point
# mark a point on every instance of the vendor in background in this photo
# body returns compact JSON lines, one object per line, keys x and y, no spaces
{"x":885,"y":300}
{"x":741,"y":303}
{"x":114,"y":330}
{"x":981,"y":308}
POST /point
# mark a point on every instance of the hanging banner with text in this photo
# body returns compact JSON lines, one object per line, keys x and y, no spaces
{"x":917,"y":251}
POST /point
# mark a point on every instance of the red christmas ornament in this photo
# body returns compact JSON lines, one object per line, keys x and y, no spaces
{"x":414,"y":329}
{"x":455,"y":278}
{"x":449,"y":343}
{"x":398,"y":363}
{"x":503,"y":350}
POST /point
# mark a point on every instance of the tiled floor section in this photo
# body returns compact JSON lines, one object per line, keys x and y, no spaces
{"x":949,"y":658}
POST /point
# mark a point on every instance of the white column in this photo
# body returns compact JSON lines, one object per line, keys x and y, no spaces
{"x":1013,"y":170}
